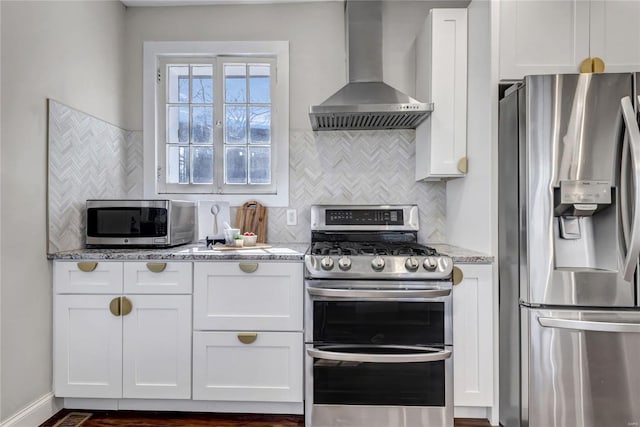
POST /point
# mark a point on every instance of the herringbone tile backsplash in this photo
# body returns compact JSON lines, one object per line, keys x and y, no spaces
{"x":356,"y":167}
{"x":89,"y":158}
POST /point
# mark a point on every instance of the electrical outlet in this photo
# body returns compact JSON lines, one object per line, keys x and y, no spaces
{"x":292,"y":217}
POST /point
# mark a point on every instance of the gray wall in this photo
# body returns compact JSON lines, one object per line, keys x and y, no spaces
{"x":71,"y":52}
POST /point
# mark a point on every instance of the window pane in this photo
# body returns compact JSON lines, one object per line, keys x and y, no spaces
{"x":235,"y":83}
{"x":178,"y":165}
{"x":177,"y":124}
{"x":260,"y":125}
{"x":178,"y":83}
{"x":259,"y":165}
{"x":202,"y":164}
{"x":202,"y":84}
{"x":235,"y":124}
{"x":202,"y":125}
{"x":260,"y":83}
{"x":235,"y":165}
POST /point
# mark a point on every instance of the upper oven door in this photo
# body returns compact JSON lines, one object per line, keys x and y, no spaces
{"x":378,"y":313}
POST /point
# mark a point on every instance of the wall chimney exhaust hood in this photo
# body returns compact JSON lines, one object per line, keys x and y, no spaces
{"x":366,"y":102}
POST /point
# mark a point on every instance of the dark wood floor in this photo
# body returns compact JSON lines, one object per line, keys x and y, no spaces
{"x":181,"y":419}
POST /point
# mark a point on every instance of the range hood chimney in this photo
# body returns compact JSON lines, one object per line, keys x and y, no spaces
{"x":366,"y":102}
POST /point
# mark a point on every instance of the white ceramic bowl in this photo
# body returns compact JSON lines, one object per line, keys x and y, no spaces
{"x":250,"y":240}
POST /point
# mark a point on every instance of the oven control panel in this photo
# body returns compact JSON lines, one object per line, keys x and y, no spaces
{"x":364,"y":217}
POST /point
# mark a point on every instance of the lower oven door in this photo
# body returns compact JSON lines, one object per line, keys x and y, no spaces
{"x":378,"y":386}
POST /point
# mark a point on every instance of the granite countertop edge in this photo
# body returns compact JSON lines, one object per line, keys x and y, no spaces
{"x":193,"y":252}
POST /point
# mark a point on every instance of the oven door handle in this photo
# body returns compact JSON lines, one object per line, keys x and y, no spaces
{"x":421,"y":355}
{"x":377,"y":293}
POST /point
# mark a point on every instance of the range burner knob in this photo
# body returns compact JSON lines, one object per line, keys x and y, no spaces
{"x":344,"y":263}
{"x":430,"y":264}
{"x":412,"y":263}
{"x":326,"y":263}
{"x":377,"y":263}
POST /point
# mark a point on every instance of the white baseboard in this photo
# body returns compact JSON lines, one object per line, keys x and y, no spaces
{"x":35,"y":413}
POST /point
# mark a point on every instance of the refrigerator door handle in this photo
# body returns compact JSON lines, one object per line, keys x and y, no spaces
{"x":633,"y":133}
{"x":585,"y":325}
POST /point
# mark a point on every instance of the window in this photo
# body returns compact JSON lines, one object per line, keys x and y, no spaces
{"x":220,"y":121}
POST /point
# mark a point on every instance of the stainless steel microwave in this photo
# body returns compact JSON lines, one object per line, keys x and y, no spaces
{"x":140,"y":223}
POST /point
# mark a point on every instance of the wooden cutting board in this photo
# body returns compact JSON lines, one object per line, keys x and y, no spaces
{"x":251,"y":217}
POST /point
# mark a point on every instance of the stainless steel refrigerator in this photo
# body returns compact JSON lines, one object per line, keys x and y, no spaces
{"x":568,"y":248}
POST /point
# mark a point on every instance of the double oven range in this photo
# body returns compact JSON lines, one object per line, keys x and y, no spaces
{"x":378,"y":337}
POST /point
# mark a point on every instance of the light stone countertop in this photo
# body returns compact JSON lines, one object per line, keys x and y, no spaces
{"x":191,"y":252}
{"x":277,"y":252}
{"x":462,"y":255}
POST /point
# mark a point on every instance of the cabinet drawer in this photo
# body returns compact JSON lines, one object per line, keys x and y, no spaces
{"x":157,"y":277}
{"x":248,"y":296}
{"x":268,"y":369}
{"x":87,"y":277}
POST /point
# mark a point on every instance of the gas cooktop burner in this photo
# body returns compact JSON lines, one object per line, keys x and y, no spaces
{"x":371,"y":248}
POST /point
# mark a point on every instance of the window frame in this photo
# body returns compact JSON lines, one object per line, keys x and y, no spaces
{"x":154,"y":53}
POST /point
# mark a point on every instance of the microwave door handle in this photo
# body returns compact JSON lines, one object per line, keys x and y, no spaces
{"x":633,"y":133}
{"x":421,"y":356}
{"x":377,"y":293}
{"x":586,"y":325}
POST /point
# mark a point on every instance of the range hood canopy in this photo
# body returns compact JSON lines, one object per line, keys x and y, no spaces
{"x":366,"y":102}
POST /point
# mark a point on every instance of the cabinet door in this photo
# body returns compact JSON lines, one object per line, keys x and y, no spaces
{"x":542,"y":37}
{"x":156,"y":362}
{"x":87,"y":347}
{"x":87,"y":277}
{"x":268,"y":369}
{"x":157,"y":277}
{"x":441,"y":78}
{"x":241,"y":295}
{"x":473,"y":337}
{"x":615,"y":34}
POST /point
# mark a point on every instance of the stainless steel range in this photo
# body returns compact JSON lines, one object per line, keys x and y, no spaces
{"x":377,"y":321}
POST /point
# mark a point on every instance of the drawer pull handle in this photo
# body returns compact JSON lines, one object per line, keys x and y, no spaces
{"x":87,"y":266}
{"x":156,"y":267}
{"x":247,"y":337}
{"x":126,"y":305}
{"x":457,"y":275}
{"x":115,"y":307}
{"x":248,"y":267}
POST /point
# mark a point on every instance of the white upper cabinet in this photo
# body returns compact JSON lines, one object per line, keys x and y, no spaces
{"x":441,"y":78}
{"x":549,"y":37}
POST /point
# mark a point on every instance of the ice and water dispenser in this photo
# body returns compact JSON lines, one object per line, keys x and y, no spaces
{"x":585,"y":230}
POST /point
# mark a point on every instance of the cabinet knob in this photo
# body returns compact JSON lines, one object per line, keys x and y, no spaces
{"x":457,"y":276}
{"x":156,"y":267}
{"x":248,"y":267}
{"x":247,"y":337}
{"x":87,"y":266}
{"x":115,"y":306}
{"x":463,"y":164}
{"x":592,"y":65}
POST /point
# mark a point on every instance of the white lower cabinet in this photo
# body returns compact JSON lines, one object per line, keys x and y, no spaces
{"x":473,"y":337}
{"x":248,"y":366}
{"x":87,"y":347}
{"x":248,"y":340}
{"x":121,"y":345}
{"x":244,"y":295}
{"x":156,"y":343}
